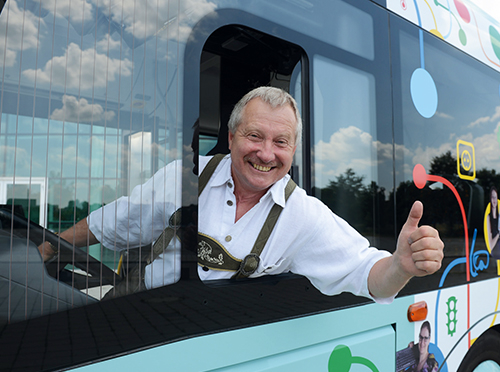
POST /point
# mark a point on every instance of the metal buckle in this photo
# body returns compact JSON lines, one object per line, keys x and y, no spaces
{"x":249,"y":264}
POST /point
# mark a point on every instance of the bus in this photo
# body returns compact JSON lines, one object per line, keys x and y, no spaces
{"x":400,"y":101}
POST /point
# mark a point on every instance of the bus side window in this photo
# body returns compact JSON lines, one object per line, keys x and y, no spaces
{"x":235,"y":60}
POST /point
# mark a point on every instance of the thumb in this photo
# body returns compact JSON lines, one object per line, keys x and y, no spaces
{"x":416,"y":212}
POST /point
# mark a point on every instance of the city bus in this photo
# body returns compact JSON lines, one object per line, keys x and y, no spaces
{"x":400,"y":101}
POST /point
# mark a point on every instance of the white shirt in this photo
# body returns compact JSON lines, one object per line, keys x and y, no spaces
{"x":137,"y":220}
{"x":308,"y":238}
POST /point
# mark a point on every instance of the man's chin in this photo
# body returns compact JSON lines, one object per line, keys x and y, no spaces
{"x":264,"y":182}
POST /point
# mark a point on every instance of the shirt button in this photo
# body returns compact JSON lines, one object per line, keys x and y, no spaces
{"x":228,"y":238}
{"x":205,"y":268}
{"x":230,"y":184}
{"x":230,"y":203}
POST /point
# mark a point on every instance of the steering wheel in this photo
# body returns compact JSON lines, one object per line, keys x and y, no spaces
{"x":68,"y":254}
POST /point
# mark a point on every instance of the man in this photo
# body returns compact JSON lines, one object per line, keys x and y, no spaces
{"x":308,"y":239}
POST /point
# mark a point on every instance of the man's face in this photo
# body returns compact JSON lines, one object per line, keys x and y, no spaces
{"x":263,"y":146}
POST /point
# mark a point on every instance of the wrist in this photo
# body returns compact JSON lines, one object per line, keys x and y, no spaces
{"x":53,"y":248}
{"x":397,"y":269}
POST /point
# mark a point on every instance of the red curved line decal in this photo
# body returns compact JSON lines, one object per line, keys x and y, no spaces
{"x":420,"y":178}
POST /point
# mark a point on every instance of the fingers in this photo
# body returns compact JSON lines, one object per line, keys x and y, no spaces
{"x":427,"y":249}
{"x":423,"y":232}
{"x":427,"y":267}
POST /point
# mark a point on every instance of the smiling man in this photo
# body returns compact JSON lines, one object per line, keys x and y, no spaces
{"x":307,"y":238}
{"x":254,"y":221}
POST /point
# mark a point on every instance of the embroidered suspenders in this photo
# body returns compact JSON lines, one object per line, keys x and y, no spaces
{"x":212,"y":254}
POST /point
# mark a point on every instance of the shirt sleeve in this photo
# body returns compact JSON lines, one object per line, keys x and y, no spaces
{"x":138,"y":219}
{"x":335,"y":257}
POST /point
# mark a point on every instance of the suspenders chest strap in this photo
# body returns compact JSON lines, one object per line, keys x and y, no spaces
{"x":212,"y":254}
{"x":174,"y":222}
{"x":250,"y":263}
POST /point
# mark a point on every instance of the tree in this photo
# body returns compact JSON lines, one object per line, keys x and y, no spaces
{"x":445,"y":164}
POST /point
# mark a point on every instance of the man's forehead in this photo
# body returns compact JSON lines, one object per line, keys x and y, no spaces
{"x":287,"y":131}
{"x":257,"y":101}
{"x":260,"y":111}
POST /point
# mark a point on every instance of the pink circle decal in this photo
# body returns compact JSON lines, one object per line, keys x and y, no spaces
{"x":419,"y":176}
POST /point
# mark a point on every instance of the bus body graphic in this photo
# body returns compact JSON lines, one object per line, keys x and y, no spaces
{"x":103,"y":100}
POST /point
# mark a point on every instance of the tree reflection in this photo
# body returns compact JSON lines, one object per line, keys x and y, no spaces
{"x":372,"y":209}
{"x":357,"y":202}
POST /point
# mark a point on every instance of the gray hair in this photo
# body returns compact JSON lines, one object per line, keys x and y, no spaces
{"x":274,"y":97}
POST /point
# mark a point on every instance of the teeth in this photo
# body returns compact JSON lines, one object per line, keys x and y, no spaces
{"x":261,"y":168}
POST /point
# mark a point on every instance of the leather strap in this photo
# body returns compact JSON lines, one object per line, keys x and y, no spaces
{"x":213,"y":257}
{"x":174,"y":222}
{"x":251,"y":262}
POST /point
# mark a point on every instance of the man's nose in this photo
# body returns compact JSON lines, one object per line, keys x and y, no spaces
{"x":266,"y":151}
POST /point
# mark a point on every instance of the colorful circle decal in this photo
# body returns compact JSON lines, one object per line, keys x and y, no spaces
{"x":462,"y":10}
{"x":423,"y":93}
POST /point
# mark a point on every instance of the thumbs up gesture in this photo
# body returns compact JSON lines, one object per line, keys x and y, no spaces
{"x":419,"y":250}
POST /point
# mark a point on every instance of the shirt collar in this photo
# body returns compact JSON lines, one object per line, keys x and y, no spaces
{"x":222,"y":176}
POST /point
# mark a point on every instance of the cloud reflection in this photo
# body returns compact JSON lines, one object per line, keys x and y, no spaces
{"x":22,"y":32}
{"x":353,"y":148}
{"x":80,"y":111}
{"x":92,"y":69}
{"x":143,"y":19}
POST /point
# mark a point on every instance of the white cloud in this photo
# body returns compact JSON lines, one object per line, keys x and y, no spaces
{"x":443,"y":115}
{"x":423,"y":155}
{"x":9,"y":56}
{"x":84,"y":77}
{"x":144,"y":19}
{"x":343,"y":147}
{"x":486,"y":119}
{"x":22,"y":158}
{"x":22,"y":32}
{"x":108,"y":43}
{"x":349,"y":147}
{"x":354,"y":148}
{"x":76,"y":10}
{"x":487,"y":150}
{"x":80,"y":111}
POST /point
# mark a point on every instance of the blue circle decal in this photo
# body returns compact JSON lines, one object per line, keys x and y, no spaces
{"x":423,"y":93}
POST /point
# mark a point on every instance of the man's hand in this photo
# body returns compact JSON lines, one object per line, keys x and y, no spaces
{"x":47,"y":251}
{"x":79,"y":235}
{"x":419,"y":252}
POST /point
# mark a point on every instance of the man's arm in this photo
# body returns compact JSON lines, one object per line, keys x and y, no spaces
{"x":79,"y":235}
{"x":419,"y":252}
